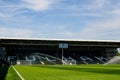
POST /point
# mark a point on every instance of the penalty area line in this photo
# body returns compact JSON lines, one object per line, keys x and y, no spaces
{"x":18,"y":73}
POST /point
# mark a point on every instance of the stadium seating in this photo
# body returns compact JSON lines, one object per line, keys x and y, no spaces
{"x":69,"y":61}
{"x":42,"y":58}
{"x":86,"y":60}
{"x":101,"y":59}
{"x":38,"y":58}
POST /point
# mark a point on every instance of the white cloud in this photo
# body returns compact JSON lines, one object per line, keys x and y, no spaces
{"x":84,"y":14}
{"x":102,"y":3}
{"x":87,"y":4}
{"x":93,"y":8}
{"x":105,"y":26}
{"x":8,"y":11}
{"x":66,"y":34}
{"x":39,"y":5}
{"x":116,"y":11}
{"x":14,"y":32}
{"x":4,"y":16}
{"x":96,"y":4}
{"x":107,"y":29}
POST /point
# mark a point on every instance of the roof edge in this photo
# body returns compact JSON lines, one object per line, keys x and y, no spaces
{"x":60,"y":39}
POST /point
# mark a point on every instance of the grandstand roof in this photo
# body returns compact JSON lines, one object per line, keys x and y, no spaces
{"x":56,"y":42}
{"x":49,"y":39}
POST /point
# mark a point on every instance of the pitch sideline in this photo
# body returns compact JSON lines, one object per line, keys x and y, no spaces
{"x":18,"y":73}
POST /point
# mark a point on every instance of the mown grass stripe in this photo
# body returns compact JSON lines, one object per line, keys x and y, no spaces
{"x":60,"y":72}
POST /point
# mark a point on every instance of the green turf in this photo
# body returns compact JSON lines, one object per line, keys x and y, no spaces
{"x":79,"y":72}
{"x":11,"y":75}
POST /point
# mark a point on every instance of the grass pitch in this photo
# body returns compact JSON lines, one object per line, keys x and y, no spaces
{"x":62,"y":72}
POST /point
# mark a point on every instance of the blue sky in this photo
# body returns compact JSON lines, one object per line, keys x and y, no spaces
{"x":60,"y":19}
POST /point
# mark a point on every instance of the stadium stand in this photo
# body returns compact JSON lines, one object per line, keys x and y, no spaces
{"x":47,"y":51}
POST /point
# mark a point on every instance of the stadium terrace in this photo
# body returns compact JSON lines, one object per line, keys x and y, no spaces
{"x":56,"y":51}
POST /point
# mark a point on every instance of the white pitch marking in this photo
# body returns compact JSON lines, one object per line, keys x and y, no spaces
{"x":18,"y":73}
